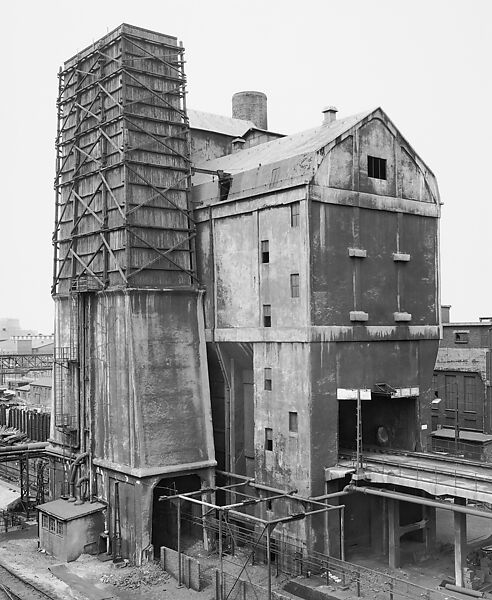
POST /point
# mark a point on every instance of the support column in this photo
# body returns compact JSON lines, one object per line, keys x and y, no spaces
{"x":430,"y":529}
{"x":459,"y":542}
{"x":394,"y":533}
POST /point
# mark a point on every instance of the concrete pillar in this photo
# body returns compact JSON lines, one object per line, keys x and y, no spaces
{"x":459,"y":542}
{"x":430,"y":529}
{"x":394,"y":533}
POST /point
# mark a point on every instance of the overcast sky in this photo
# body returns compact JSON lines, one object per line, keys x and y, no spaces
{"x":426,"y":63}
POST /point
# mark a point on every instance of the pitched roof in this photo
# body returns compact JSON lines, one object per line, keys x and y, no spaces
{"x":67,"y":511}
{"x":219,"y":123}
{"x":283,"y":148}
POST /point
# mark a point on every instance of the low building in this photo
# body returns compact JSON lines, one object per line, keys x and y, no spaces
{"x":41,"y":392}
{"x":66,"y":529}
{"x":462,"y":376}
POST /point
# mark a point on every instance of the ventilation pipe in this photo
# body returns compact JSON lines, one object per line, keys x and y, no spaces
{"x":73,"y":472}
{"x":78,"y":487}
{"x":329,"y":114}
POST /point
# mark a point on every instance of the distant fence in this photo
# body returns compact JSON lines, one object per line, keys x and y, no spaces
{"x":36,"y":425}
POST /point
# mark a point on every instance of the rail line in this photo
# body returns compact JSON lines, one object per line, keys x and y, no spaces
{"x":15,"y":587}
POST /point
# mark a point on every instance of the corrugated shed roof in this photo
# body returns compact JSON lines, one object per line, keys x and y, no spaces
{"x":287,"y":147}
{"x":219,"y":123}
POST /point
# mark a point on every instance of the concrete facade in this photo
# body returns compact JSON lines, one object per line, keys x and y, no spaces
{"x":320,"y":279}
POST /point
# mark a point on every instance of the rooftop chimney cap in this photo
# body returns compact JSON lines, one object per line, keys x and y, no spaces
{"x":329,"y":113}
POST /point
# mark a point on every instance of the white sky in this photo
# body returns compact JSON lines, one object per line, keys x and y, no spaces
{"x":426,"y":62}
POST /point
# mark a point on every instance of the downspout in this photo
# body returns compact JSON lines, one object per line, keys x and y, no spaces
{"x":228,"y":405}
{"x":73,"y":471}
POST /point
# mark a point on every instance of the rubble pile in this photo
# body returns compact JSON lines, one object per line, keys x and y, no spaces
{"x":134,"y":577}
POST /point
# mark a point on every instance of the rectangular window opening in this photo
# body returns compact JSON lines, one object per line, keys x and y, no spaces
{"x":293,"y":422}
{"x":59,"y":527}
{"x":52,"y":524}
{"x":44,"y":521}
{"x":294,"y":285}
{"x":267,"y":315}
{"x":268,"y":439}
{"x":265,"y":251}
{"x":268,"y":379}
{"x":461,"y":337}
{"x":294,"y":214}
{"x":376,"y":167}
{"x":269,"y":505}
{"x":470,"y":403}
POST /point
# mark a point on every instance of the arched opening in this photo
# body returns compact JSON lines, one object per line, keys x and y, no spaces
{"x":165,"y":514}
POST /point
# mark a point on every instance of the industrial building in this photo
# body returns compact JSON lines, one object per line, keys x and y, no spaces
{"x":238,"y":305}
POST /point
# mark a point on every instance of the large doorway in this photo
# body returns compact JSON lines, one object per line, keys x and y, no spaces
{"x":165,"y":514}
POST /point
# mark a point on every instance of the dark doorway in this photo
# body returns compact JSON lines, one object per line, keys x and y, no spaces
{"x":164,"y":514}
{"x":387,"y":422}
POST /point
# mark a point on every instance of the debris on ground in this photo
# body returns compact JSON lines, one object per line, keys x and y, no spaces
{"x":134,"y":577}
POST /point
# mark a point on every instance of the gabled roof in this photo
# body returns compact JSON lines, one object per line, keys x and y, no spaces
{"x":284,"y":148}
{"x":219,"y":123}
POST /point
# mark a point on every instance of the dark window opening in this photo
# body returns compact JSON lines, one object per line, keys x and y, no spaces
{"x":268,"y":439}
{"x":461,"y":337}
{"x":268,"y":379}
{"x":294,"y":285}
{"x":265,"y":251}
{"x":225,"y":181}
{"x":376,"y":167}
{"x":294,"y":214}
{"x":269,"y":505}
{"x":469,"y":384}
{"x":293,"y":422}
{"x":267,"y":315}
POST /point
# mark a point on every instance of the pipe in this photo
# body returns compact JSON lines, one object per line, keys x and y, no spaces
{"x":419,"y":500}
{"x":22,"y":447}
{"x":78,"y":486}
{"x":462,"y":590}
{"x":72,"y":473}
{"x":332,"y":495}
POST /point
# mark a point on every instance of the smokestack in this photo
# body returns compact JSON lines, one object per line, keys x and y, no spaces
{"x":250,"y":106}
{"x":445,"y":313}
{"x":329,"y":114}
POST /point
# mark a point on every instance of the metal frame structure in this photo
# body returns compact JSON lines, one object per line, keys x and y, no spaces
{"x":16,"y":363}
{"x":103,"y":147}
{"x":216,"y":520}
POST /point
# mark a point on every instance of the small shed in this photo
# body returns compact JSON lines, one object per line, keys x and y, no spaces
{"x":67,"y":530}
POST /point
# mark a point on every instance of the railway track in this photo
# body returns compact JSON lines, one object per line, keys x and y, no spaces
{"x":15,"y":587}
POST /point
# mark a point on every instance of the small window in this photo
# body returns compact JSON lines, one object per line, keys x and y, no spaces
{"x":294,"y":285}
{"x":265,"y":251}
{"x":268,"y":379}
{"x":225,"y":181}
{"x":293,"y":422}
{"x":461,"y":337}
{"x":269,"y":505}
{"x":52,"y":524}
{"x":267,"y":315}
{"x":268,"y":439}
{"x":376,"y":167}
{"x":44,"y":521}
{"x":294,"y":214}
{"x":59,"y":528}
{"x":470,"y":403}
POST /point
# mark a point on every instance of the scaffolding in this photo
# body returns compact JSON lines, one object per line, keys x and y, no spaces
{"x":123,"y":213}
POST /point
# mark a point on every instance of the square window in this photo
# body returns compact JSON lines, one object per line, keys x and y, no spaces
{"x":268,"y":439}
{"x":265,"y":251}
{"x":294,"y":214}
{"x":293,"y":422}
{"x":268,"y":379}
{"x":294,"y":285}
{"x":376,"y":167}
{"x":267,"y":315}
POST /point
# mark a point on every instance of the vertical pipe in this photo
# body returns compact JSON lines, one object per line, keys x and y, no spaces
{"x":359,"y":434}
{"x":342,"y":532}
{"x":221,"y":557}
{"x":178,"y":517}
{"x":269,"y":564}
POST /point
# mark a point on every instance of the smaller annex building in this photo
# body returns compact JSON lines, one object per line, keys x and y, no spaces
{"x":67,"y":530}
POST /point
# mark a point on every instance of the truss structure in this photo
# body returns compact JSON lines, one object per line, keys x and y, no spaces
{"x":123,"y":172}
{"x":20,"y":363}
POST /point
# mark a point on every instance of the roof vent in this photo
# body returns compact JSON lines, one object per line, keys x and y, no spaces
{"x":238,"y":144}
{"x":329,"y":114}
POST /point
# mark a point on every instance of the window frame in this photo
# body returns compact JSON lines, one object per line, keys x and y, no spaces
{"x":293,"y":421}
{"x":295,"y":291}
{"x":295,"y":211}
{"x":376,"y":168}
{"x":267,"y":379}
{"x":267,"y":315}
{"x":265,"y":252}
{"x":268,"y":439}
